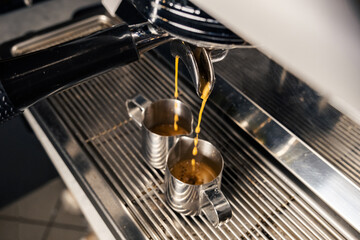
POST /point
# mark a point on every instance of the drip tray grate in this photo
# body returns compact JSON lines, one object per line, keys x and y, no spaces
{"x":264,"y":206}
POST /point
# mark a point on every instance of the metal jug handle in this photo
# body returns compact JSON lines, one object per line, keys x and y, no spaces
{"x":215,"y":206}
{"x":136,"y":108}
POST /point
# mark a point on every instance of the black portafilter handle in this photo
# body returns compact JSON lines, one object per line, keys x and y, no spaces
{"x":26,"y":79}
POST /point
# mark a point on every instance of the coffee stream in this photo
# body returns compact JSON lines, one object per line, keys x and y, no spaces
{"x":176,"y":94}
{"x":204,"y":96}
{"x":200,"y":172}
{"x":170,"y":129}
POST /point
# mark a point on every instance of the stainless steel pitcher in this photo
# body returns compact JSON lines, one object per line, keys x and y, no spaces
{"x":147,"y":115}
{"x":191,"y":199}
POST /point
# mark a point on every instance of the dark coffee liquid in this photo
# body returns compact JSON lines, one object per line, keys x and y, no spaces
{"x":193,"y":172}
{"x":168,"y":130}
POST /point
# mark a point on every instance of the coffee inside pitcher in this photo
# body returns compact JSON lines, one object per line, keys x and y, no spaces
{"x":167,"y":129}
{"x":195,"y":174}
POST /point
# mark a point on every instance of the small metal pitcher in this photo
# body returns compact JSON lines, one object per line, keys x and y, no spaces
{"x":149,"y":114}
{"x":191,"y":199}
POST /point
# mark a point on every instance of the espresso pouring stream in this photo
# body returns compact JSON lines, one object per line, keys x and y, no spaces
{"x":176,"y":94}
{"x":205,"y":92}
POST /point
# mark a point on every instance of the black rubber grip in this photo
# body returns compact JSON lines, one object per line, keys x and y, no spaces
{"x":34,"y":76}
{"x":7,"y":109}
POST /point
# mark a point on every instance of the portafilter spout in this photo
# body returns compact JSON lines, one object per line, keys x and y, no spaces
{"x":199,"y":63}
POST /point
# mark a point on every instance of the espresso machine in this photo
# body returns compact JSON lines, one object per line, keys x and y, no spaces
{"x":291,"y":158}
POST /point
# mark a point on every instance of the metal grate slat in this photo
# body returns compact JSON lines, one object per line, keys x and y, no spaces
{"x":213,"y":123}
{"x":218,"y":127}
{"x":328,"y":132}
{"x":128,"y":201}
{"x":146,"y":175}
{"x":108,"y":151}
{"x":264,"y":207}
{"x":136,"y":149}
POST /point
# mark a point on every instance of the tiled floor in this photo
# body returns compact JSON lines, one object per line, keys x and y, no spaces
{"x":41,"y":216}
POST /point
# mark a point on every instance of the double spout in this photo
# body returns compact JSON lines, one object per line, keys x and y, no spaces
{"x":198,"y":60}
{"x":199,"y":63}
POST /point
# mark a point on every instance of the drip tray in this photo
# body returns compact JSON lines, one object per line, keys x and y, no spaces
{"x":100,"y":144}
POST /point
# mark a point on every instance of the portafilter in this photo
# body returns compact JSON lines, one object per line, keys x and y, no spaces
{"x":28,"y":78}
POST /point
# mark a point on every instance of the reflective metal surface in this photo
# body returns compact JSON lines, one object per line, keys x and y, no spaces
{"x":156,"y":147}
{"x":267,"y":201}
{"x":147,"y":36}
{"x":64,"y":34}
{"x":97,"y":190}
{"x":330,"y":185}
{"x":296,"y":106}
{"x":78,"y":191}
{"x":301,"y":103}
{"x":185,"y":21}
{"x":192,"y":199}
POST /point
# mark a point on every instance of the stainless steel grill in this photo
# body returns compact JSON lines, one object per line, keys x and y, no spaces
{"x":264,"y":205}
